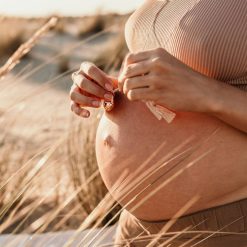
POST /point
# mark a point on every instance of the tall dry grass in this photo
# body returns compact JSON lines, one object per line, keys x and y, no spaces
{"x":55,"y":185}
{"x":46,"y":185}
{"x":24,"y":48}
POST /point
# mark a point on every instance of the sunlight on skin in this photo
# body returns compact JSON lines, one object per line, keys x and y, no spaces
{"x":129,"y":186}
{"x":116,"y":187}
{"x":167,"y":181}
{"x":170,"y":222}
{"x":140,"y":180}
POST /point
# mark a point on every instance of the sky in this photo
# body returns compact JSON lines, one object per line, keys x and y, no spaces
{"x":65,"y":7}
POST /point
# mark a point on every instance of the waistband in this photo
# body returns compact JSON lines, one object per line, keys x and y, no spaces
{"x":221,"y":220}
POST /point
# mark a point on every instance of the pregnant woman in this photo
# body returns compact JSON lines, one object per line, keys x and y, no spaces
{"x":182,"y":183}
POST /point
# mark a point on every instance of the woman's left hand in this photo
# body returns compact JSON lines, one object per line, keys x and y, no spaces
{"x":157,"y":76}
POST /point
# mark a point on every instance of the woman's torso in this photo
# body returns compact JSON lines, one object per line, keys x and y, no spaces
{"x":129,"y":135}
{"x":209,"y":36}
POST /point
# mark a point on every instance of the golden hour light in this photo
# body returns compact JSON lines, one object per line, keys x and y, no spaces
{"x":123,"y":123}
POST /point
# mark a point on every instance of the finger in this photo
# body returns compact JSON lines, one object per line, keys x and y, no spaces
{"x":93,"y":72}
{"x":83,"y":100}
{"x":124,"y":63}
{"x":138,"y":57}
{"x":133,"y":70}
{"x":88,"y":86}
{"x":74,"y":88}
{"x":140,"y":94}
{"x":137,"y":69}
{"x":135,"y":82}
{"x":114,"y":81}
{"x":145,"y":55}
{"x":79,"y":111}
{"x":120,"y":83}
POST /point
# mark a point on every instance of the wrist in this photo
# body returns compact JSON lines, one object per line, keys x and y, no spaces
{"x":210,"y":100}
{"x":214,"y":101}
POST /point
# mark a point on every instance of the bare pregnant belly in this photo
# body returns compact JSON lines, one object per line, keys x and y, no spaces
{"x":155,"y":169}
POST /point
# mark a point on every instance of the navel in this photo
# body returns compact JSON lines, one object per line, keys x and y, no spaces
{"x":107,"y":140}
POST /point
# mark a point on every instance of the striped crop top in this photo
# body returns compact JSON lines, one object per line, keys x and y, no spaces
{"x":210,"y":36}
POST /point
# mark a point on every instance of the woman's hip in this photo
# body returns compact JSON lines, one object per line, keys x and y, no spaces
{"x":220,"y":226}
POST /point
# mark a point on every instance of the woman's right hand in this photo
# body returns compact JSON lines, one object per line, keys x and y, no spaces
{"x":91,"y":86}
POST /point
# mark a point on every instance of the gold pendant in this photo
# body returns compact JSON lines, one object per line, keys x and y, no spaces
{"x":109,"y":105}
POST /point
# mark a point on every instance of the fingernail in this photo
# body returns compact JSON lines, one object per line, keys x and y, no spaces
{"x":77,"y":110}
{"x":78,"y":79}
{"x":120,"y":78}
{"x":85,"y":114}
{"x":96,"y":103}
{"x":109,"y":87}
{"x":108,"y":96}
{"x":73,"y":76}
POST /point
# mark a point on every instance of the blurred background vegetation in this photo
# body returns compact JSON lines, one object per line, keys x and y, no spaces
{"x":49,"y":176}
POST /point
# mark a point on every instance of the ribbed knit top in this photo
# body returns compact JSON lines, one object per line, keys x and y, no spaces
{"x":210,"y":36}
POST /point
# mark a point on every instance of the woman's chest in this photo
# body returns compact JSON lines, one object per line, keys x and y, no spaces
{"x":209,"y":36}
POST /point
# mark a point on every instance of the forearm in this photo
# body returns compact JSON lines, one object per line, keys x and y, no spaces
{"x":229,"y":104}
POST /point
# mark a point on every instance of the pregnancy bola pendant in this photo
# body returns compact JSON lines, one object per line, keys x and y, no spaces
{"x":109,"y":105}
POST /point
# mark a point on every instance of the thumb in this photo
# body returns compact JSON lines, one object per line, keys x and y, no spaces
{"x":120,"y":76}
{"x":114,"y":81}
